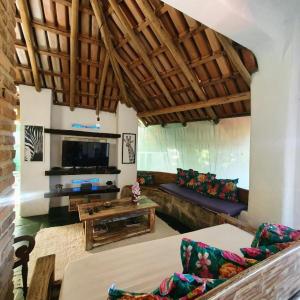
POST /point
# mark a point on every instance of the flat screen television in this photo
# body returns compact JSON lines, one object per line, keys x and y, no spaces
{"x":85,"y":154}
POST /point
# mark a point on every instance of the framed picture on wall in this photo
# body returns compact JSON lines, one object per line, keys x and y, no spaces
{"x":128,"y":148}
{"x":33,"y":143}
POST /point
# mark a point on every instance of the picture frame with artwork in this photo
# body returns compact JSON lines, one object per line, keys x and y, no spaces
{"x":128,"y":148}
{"x":33,"y":143}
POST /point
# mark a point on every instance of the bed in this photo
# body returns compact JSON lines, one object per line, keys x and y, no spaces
{"x":141,"y":267}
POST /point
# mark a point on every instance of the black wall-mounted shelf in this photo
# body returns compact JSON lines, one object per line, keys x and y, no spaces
{"x":79,"y":191}
{"x":84,"y":170}
{"x":82,"y":133}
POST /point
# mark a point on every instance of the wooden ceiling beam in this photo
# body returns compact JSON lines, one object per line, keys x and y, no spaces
{"x":99,"y":14}
{"x":61,"y":31}
{"x":73,"y":51}
{"x":61,"y":74}
{"x":27,"y":31}
{"x":134,"y":82}
{"x":139,"y":48}
{"x":166,"y":39}
{"x":102,"y":83}
{"x":61,"y":55}
{"x":234,"y":57}
{"x":197,"y":105}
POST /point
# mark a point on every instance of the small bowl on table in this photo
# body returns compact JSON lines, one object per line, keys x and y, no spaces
{"x":107,"y":204}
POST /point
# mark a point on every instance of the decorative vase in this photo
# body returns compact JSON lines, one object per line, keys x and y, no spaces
{"x":135,"y":199}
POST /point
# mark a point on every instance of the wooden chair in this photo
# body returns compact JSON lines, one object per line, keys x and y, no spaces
{"x":21,"y":257}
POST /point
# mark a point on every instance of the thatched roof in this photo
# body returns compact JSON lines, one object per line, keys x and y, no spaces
{"x":166,"y":65}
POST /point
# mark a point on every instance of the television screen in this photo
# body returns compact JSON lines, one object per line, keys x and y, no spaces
{"x":84,"y":154}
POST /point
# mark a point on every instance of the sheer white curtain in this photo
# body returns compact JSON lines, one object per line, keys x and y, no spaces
{"x":222,"y":149}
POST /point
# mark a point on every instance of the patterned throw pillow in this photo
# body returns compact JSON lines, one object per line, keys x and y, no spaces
{"x":209,"y":262}
{"x":177,"y":286}
{"x":225,"y":189}
{"x":145,"y":179}
{"x":199,"y":181}
{"x":182,"y":177}
{"x":263,"y":252}
{"x":269,"y":234}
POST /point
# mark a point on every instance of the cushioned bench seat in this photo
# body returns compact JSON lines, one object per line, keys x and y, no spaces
{"x":217,"y":205}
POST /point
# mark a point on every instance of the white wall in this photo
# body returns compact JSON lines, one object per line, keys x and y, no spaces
{"x":127,"y":122}
{"x":34,"y":108}
{"x":37,"y":109}
{"x":271,"y":30}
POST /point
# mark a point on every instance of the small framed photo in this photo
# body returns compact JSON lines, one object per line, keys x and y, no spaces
{"x":128,"y":148}
{"x":34,"y":143}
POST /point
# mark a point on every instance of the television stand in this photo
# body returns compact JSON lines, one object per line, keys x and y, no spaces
{"x":82,"y":170}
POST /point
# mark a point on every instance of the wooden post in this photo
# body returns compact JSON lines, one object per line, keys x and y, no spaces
{"x":73,"y":44}
{"x":23,"y":9}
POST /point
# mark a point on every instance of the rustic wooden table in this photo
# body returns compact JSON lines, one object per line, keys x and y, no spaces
{"x":116,"y":216}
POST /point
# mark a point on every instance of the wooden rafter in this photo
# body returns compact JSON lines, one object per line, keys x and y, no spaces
{"x":234,"y":57}
{"x":24,"y":13}
{"x":102,"y":83}
{"x":97,"y":8}
{"x":197,"y":105}
{"x":73,"y":51}
{"x":166,"y":39}
{"x":138,"y":46}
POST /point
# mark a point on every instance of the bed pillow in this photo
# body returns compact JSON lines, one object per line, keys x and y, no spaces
{"x":145,"y":179}
{"x":209,"y":262}
{"x":269,"y":234}
{"x":225,"y":189}
{"x":263,"y":252}
{"x":182,"y":177}
{"x":177,"y":286}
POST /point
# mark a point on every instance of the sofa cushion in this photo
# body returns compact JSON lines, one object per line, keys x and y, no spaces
{"x":182,"y":177}
{"x":199,"y":182}
{"x":216,"y":205}
{"x":225,"y":189}
{"x":145,"y":178}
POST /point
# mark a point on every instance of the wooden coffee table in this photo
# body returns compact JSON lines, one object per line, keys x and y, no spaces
{"x":117,"y":220}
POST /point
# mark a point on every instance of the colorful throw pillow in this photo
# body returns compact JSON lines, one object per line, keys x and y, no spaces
{"x":145,"y":179}
{"x":225,"y":189}
{"x":263,"y":252}
{"x":177,"y":286}
{"x":209,"y":262}
{"x":199,"y":181}
{"x":182,"y":177}
{"x":268,"y":234}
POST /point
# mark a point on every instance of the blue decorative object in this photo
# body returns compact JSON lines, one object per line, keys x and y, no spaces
{"x":82,"y":126}
{"x":81,"y":181}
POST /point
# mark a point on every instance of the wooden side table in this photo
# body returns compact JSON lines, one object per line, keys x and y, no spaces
{"x":115,"y":217}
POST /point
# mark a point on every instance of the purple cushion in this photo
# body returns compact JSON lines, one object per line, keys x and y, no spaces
{"x":221,"y":206}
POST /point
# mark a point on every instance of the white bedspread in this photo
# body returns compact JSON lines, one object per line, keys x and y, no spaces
{"x":141,"y":267}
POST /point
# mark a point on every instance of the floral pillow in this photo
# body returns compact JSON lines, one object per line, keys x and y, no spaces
{"x":177,"y":286}
{"x":209,"y":262}
{"x":199,"y":181}
{"x":182,"y":177}
{"x":145,"y":179}
{"x":263,"y":252}
{"x":225,"y":189}
{"x":269,"y":234}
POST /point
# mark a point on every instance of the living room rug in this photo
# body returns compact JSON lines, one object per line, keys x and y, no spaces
{"x":68,"y":244}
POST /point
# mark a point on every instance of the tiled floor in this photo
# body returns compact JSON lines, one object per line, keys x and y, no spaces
{"x":57,"y":216}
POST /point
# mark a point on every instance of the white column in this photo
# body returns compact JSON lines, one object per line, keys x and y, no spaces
{"x":35,"y":109}
{"x":127,"y":122}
